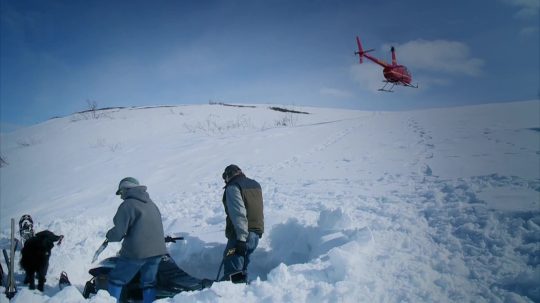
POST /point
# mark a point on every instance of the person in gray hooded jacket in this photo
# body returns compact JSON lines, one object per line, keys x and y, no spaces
{"x":137,"y":223}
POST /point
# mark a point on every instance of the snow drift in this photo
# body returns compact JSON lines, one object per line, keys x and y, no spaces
{"x":437,"y":205}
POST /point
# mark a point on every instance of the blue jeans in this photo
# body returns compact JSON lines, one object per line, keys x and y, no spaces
{"x":126,"y":269}
{"x":236,"y":263}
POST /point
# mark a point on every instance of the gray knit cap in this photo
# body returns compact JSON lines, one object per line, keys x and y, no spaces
{"x":128,"y":182}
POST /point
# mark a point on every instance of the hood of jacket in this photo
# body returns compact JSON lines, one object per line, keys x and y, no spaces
{"x":138,"y":193}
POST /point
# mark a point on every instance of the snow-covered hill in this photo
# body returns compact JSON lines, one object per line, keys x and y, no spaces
{"x":437,"y":205}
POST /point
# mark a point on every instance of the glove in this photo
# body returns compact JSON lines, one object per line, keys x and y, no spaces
{"x":241,"y":248}
{"x":169,"y":239}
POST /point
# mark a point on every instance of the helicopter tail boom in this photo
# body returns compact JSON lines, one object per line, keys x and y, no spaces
{"x":362,"y":53}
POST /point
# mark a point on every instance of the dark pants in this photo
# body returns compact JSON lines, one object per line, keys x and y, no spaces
{"x":236,"y":263}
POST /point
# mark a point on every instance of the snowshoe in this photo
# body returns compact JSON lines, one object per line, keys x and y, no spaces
{"x":26,"y":228}
{"x":89,"y":288}
{"x":64,"y":280}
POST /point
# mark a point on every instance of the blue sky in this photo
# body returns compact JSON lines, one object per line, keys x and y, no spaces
{"x":56,"y":55}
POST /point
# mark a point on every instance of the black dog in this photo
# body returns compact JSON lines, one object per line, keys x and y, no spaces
{"x":35,"y":257}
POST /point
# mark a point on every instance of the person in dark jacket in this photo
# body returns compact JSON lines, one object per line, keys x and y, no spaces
{"x":35,"y":256}
{"x":137,"y":223}
{"x":243,"y":203}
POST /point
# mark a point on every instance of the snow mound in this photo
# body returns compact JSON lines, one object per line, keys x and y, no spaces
{"x":436,"y":205}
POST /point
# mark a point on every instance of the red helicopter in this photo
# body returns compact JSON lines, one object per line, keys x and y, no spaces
{"x":394,"y":73}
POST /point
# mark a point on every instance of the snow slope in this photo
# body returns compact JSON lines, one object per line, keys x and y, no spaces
{"x":437,"y":205}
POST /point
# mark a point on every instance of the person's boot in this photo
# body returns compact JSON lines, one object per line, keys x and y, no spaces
{"x":149,"y":295}
{"x":31,"y":280}
{"x":26,"y":279}
{"x":115,"y":291}
{"x":41,"y":284}
{"x":239,"y":277}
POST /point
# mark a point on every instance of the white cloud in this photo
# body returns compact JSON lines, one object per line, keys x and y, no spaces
{"x":334,"y":92}
{"x":529,"y":31}
{"x":369,"y":76}
{"x":450,"y":57}
{"x":526,"y":8}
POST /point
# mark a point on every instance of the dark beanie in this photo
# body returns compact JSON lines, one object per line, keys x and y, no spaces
{"x":230,"y":171}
